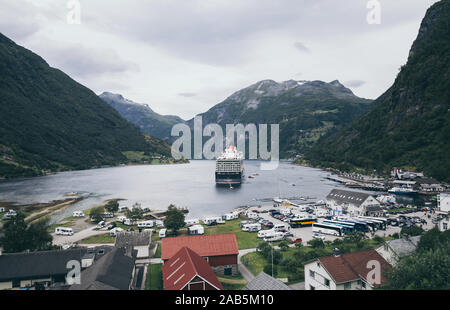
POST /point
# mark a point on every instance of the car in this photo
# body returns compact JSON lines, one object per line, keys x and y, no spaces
{"x":297,"y":240}
{"x":288,"y":234}
{"x":318,"y":236}
{"x":101,"y":224}
{"x":112,"y":225}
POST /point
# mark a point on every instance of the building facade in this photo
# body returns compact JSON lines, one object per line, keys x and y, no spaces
{"x":353,"y":203}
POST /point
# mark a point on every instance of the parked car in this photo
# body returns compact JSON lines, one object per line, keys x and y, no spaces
{"x":318,"y":236}
{"x":101,"y":224}
{"x":112,"y":225}
{"x":297,"y":240}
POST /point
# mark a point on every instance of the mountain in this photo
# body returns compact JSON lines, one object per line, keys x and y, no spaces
{"x":305,"y":110}
{"x":409,"y":125}
{"x":143,"y":116}
{"x":49,"y":122}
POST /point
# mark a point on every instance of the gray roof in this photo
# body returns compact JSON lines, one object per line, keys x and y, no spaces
{"x":41,"y":264}
{"x":343,"y":196}
{"x":133,"y":238}
{"x":113,"y":271}
{"x":264,"y":282}
{"x":404,"y":247}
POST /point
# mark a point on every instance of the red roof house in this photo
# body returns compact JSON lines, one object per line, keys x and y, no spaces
{"x":186,"y":270}
{"x":220,"y":251}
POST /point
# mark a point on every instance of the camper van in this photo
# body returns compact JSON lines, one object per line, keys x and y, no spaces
{"x":265,"y":233}
{"x":252,"y":215}
{"x":113,"y":232}
{"x":230,"y":216}
{"x":251,"y":227}
{"x":159,"y":223}
{"x":78,"y":214}
{"x":145,"y":224}
{"x":123,"y":209}
{"x":191,"y":222}
{"x":278,"y":227}
{"x":128,"y":222}
{"x":213,"y":220}
{"x":121,"y":218}
{"x":277,"y":236}
{"x":64,"y":231}
{"x":321,"y":213}
{"x":162,"y":233}
{"x":196,"y":230}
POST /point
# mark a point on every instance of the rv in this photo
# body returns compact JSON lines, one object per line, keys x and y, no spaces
{"x":123,"y":209}
{"x":252,"y":215}
{"x":191,"y":222}
{"x":213,"y":220}
{"x":230,"y":216}
{"x":265,"y":233}
{"x":159,"y":223}
{"x":78,"y":214}
{"x":277,"y":236}
{"x":251,"y":227}
{"x":121,"y":218}
{"x":64,"y":231}
{"x":162,"y":233}
{"x":321,"y":213}
{"x":278,"y":227}
{"x":107,"y":215}
{"x":145,"y":224}
{"x":128,"y":222}
{"x":113,"y":232}
{"x":196,"y":230}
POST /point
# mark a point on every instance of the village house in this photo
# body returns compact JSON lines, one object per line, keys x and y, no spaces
{"x":353,"y":203}
{"x":264,"y":282}
{"x":443,"y":202}
{"x":186,"y":270}
{"x":429,"y":185}
{"x":45,"y":268}
{"x":220,"y":251}
{"x":140,"y":241}
{"x":113,"y":271}
{"x":393,"y":250}
{"x":350,"y":271}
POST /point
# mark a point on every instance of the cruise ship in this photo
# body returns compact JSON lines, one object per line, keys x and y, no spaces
{"x":230,"y":167}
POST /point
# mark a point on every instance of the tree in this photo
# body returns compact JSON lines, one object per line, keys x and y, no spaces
{"x":316,"y":243}
{"x":412,"y":230}
{"x":96,"y":214}
{"x":174,"y":219}
{"x":112,"y":206}
{"x":283,"y":246}
{"x":427,"y":268}
{"x":19,"y":237}
{"x":135,"y":213}
{"x":354,"y":237}
{"x":268,"y":269}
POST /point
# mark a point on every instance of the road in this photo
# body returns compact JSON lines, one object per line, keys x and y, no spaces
{"x":248,"y":276}
{"x":61,"y":240}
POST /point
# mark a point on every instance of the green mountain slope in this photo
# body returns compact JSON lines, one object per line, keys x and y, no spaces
{"x":143,"y":116}
{"x":305,"y":110}
{"x":410,"y":123}
{"x":49,"y":122}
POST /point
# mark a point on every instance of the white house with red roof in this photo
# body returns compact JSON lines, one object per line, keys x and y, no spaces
{"x":351,"y":271}
{"x":187,"y":270}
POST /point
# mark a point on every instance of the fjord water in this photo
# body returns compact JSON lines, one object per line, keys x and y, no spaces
{"x":156,"y":186}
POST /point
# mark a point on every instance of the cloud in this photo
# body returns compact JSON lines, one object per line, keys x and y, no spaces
{"x":84,"y":62}
{"x":18,"y":21}
{"x":301,"y":47}
{"x":354,"y":83}
{"x":188,"y":95}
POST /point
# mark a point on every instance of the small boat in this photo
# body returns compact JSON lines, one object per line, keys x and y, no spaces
{"x":402,"y":191}
{"x":251,"y":177}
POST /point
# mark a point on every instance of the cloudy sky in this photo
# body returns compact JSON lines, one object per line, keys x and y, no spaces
{"x":184,"y":56}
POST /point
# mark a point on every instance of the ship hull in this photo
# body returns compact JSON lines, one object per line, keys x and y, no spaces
{"x":228,"y":178}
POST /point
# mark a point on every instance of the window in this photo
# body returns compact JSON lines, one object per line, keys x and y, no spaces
{"x":228,"y":271}
{"x":327,"y":282}
{"x":444,"y":226}
{"x":347,"y":286}
{"x":312,"y":274}
{"x":363,"y":284}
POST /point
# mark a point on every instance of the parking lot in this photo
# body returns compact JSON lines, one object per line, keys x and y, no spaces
{"x":306,"y":233}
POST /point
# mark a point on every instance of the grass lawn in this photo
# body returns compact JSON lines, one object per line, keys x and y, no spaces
{"x":104,"y":238}
{"x":255,"y":262}
{"x":158,"y":251}
{"x":245,"y":240}
{"x":154,"y":277}
{"x":232,"y":282}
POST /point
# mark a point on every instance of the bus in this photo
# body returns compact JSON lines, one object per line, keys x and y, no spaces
{"x":346,"y":226}
{"x":359,"y":225}
{"x":382,"y":223}
{"x":328,"y":229}
{"x":298,"y":222}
